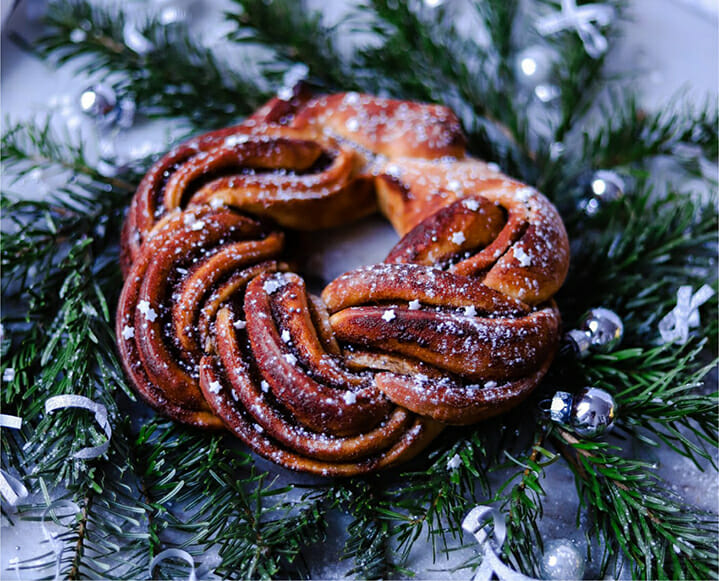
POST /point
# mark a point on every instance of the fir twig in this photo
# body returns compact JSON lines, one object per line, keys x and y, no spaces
{"x":172,"y":76}
{"x":635,"y":512}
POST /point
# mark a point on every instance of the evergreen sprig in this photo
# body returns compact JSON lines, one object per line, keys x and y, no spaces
{"x":162,"y":485}
{"x":635,"y":512}
{"x":165,"y":71}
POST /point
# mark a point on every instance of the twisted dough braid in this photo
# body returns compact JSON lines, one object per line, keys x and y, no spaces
{"x":457,"y":325}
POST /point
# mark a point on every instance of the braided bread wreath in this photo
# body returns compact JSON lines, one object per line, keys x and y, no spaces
{"x":456,"y":325}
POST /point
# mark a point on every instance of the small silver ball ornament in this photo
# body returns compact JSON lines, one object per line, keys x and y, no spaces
{"x":589,"y":413}
{"x":561,"y":560}
{"x":601,"y":331}
{"x":604,"y":187}
{"x":534,"y":66}
{"x":98,"y":101}
{"x":101,"y":103}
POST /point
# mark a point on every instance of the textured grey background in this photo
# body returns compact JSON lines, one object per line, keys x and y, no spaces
{"x":672,"y":44}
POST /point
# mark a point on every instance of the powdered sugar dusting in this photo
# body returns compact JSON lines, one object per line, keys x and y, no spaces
{"x":458,"y":238}
{"x":233,"y":140}
{"x":471,"y":204}
{"x":271,"y":285}
{"x":523,"y":258}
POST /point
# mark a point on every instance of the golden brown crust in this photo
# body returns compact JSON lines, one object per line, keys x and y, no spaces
{"x":456,"y":325}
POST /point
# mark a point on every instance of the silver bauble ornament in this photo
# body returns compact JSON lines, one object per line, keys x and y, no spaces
{"x":101,"y":103}
{"x":604,"y":187}
{"x":98,"y":101}
{"x":534,"y":70}
{"x":589,"y":413}
{"x":534,"y":66}
{"x":561,"y":560}
{"x":601,"y":331}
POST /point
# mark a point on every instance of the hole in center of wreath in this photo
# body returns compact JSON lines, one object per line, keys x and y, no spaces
{"x":324,"y":255}
{"x":449,"y":236}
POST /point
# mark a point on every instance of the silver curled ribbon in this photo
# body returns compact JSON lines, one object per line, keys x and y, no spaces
{"x":78,"y":401}
{"x":674,"y":326}
{"x":11,"y":488}
{"x":177,"y":554}
{"x":582,"y":19}
{"x":474,"y":523}
{"x":57,"y":546}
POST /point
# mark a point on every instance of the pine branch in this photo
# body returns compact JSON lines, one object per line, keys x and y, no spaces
{"x":295,"y":33}
{"x":639,"y":515}
{"x":230,"y":502}
{"x":636,"y":255}
{"x":368,"y":537}
{"x":658,"y":391}
{"x":174,"y":77}
{"x":520,"y":498}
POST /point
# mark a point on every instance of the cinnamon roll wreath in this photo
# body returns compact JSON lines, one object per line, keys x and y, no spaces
{"x":456,"y":325}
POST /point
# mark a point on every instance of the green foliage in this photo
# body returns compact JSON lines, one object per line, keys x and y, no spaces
{"x":636,"y":512}
{"x":174,"y":77}
{"x":162,"y":485}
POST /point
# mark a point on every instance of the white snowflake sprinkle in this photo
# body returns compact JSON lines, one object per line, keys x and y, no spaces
{"x":264,"y":386}
{"x":291,"y":359}
{"x":128,"y":332}
{"x":523,"y":194}
{"x":233,"y":140}
{"x":349,"y":397}
{"x":240,"y":324}
{"x":352,"y":98}
{"x":471,"y":205}
{"x":458,"y":238}
{"x":285,"y":336}
{"x":214,"y":387}
{"x":414,"y":305}
{"x":470,"y":311}
{"x":198,"y":225}
{"x":352,"y":124}
{"x":145,"y":308}
{"x":285,"y":93}
{"x":388,"y":315}
{"x":271,"y":286}
{"x":8,"y":375}
{"x":523,"y":258}
{"x":393,"y":171}
{"x":454,"y":462}
{"x":216,"y":203}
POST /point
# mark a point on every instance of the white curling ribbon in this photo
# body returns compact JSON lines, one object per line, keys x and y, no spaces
{"x":55,"y":545}
{"x":674,"y":326}
{"x":177,"y":554}
{"x":78,"y":401}
{"x":11,"y":488}
{"x":473,"y":523}
{"x":582,"y":19}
